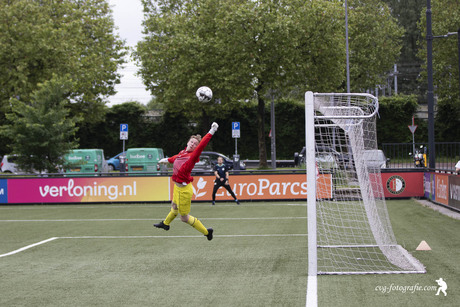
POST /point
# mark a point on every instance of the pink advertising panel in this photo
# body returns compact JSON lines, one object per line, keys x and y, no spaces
{"x":98,"y":189}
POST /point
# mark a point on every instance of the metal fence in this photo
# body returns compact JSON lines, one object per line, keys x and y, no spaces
{"x":401,"y":155}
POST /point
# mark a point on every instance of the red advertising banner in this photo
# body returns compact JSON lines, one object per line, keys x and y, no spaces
{"x":269,"y":186}
{"x":442,"y":189}
{"x":400,"y":185}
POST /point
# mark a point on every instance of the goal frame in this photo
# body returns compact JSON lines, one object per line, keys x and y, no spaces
{"x":311,"y":170}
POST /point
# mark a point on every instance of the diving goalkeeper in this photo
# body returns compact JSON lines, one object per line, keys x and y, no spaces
{"x":183,"y":164}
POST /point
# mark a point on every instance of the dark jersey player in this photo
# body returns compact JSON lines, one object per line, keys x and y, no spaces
{"x":221,"y":172}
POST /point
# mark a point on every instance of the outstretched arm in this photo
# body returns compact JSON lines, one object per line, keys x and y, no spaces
{"x":199,"y":149}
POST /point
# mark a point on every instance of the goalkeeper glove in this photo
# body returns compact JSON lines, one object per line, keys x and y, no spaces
{"x":164,"y":160}
{"x":214,"y":127}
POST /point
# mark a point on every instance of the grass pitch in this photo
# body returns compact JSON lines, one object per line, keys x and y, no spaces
{"x":110,"y":255}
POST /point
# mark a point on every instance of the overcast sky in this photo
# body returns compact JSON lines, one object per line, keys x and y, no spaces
{"x":128,"y":19}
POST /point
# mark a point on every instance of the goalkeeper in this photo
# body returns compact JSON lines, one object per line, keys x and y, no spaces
{"x":183,"y":164}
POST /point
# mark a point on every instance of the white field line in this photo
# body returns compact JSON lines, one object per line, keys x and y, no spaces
{"x":154,"y":219}
{"x":28,"y":246}
{"x":146,"y":237}
{"x":153,"y":205}
{"x":312,"y":295}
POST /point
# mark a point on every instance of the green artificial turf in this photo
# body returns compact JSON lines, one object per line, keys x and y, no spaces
{"x":110,"y":255}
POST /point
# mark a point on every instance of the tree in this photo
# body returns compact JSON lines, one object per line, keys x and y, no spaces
{"x":244,"y":50}
{"x":445,"y":67}
{"x":105,"y":134}
{"x":375,"y":43}
{"x":448,"y":120}
{"x":395,"y":114}
{"x":240,"y":49}
{"x":407,"y":12}
{"x":41,"y":130}
{"x":171,"y":133}
{"x":73,"y":37}
{"x":133,"y":114}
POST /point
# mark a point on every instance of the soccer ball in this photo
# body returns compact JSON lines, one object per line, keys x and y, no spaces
{"x":204,"y":94}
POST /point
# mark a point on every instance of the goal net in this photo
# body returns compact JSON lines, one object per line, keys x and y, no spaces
{"x":350,"y":233}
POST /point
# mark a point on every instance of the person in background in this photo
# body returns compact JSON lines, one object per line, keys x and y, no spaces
{"x":221,"y":172}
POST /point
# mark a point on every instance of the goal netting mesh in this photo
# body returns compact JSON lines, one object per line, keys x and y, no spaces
{"x":353,"y":229}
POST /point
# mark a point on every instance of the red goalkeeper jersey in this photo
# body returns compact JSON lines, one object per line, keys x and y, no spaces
{"x":185,"y":161}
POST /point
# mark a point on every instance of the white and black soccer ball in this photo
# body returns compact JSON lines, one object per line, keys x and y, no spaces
{"x":204,"y":94}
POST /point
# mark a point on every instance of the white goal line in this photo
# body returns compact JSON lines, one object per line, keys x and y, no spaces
{"x":146,"y":237}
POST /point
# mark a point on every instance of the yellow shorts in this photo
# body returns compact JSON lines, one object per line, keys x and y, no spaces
{"x":182,"y":197}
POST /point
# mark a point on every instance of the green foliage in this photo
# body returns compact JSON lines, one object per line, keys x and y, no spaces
{"x":447,"y":126}
{"x":290,"y":127}
{"x":248,"y":142}
{"x":173,"y":129}
{"x":133,"y":114}
{"x":105,"y":134}
{"x":445,"y":50}
{"x":41,"y":130}
{"x":408,"y":12}
{"x":445,"y":67}
{"x":244,"y":50}
{"x":375,"y":43}
{"x":74,"y":38}
{"x":289,"y":124}
{"x":395,"y":115}
{"x":172,"y":133}
{"x":238,"y":47}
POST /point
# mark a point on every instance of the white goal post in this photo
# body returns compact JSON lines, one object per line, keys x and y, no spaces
{"x":350,"y":233}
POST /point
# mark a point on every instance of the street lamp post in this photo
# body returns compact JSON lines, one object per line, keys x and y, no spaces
{"x":458,"y":45}
{"x":430,"y":93}
{"x":273,"y":131}
{"x":346,"y":47}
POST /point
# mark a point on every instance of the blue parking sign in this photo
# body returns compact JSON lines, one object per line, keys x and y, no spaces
{"x":123,"y":132}
{"x":236,"y":130}
{"x":3,"y":191}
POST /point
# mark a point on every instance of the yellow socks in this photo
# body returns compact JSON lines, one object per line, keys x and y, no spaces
{"x":192,"y":221}
{"x":195,"y":223}
{"x":171,"y":216}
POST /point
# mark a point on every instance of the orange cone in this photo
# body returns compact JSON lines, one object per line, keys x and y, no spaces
{"x":423,"y":246}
